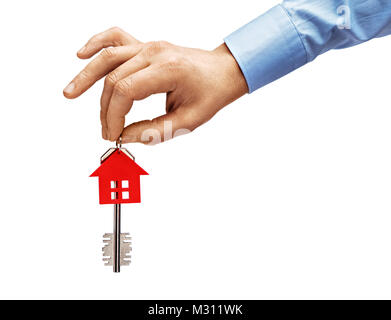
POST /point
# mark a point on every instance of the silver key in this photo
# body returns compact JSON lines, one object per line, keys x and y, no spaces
{"x":116,"y":251}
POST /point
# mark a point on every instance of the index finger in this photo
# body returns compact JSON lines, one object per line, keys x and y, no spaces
{"x":107,"y":61}
{"x":138,"y":86}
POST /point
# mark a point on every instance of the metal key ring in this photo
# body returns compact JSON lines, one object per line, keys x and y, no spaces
{"x":118,"y":143}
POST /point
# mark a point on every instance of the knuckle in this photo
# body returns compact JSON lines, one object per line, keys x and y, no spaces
{"x":189,"y":120}
{"x":103,"y":116}
{"x":111,"y":79}
{"x":174,"y":65}
{"x":117,"y":35}
{"x":155,"y":47}
{"x":116,"y":30}
{"x":163,"y":44}
{"x":84,"y":75}
{"x":108,"y":53}
{"x":174,"y":62}
{"x":153,"y":123}
{"x":123,"y":87}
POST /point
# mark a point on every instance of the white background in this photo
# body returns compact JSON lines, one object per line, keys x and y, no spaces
{"x":284,"y":194}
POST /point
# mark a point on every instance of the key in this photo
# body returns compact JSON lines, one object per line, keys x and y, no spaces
{"x":119,"y":182}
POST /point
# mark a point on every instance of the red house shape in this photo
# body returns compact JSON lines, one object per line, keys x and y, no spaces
{"x":119,"y":179}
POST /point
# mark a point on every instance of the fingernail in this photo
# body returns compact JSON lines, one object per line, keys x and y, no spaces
{"x":82,"y":50}
{"x":69,"y":88}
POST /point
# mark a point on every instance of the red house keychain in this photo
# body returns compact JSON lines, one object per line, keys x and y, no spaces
{"x":119,"y":182}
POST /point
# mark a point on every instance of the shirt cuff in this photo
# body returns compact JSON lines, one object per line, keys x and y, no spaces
{"x":267,"y":48}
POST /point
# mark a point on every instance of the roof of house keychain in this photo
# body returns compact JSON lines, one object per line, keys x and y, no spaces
{"x":119,"y":182}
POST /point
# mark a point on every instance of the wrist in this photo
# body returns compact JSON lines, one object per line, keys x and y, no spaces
{"x":235,"y":77}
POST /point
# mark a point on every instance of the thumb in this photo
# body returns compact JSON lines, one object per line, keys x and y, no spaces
{"x":159,"y":129}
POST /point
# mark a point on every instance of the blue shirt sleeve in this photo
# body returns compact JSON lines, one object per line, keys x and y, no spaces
{"x":294,"y":33}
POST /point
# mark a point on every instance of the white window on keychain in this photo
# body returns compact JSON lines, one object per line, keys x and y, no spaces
{"x":124,"y":186}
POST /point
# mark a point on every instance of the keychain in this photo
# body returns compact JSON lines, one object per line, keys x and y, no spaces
{"x":119,"y":182}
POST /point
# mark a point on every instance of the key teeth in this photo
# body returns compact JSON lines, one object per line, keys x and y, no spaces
{"x":126,"y":248}
{"x":107,"y":249}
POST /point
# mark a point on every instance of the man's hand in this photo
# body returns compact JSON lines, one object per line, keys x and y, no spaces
{"x":198,"y":83}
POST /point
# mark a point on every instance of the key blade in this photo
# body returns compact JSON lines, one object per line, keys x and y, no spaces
{"x":108,"y":249}
{"x":126,"y":243}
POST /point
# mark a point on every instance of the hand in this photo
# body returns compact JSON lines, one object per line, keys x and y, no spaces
{"x":198,"y":83}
